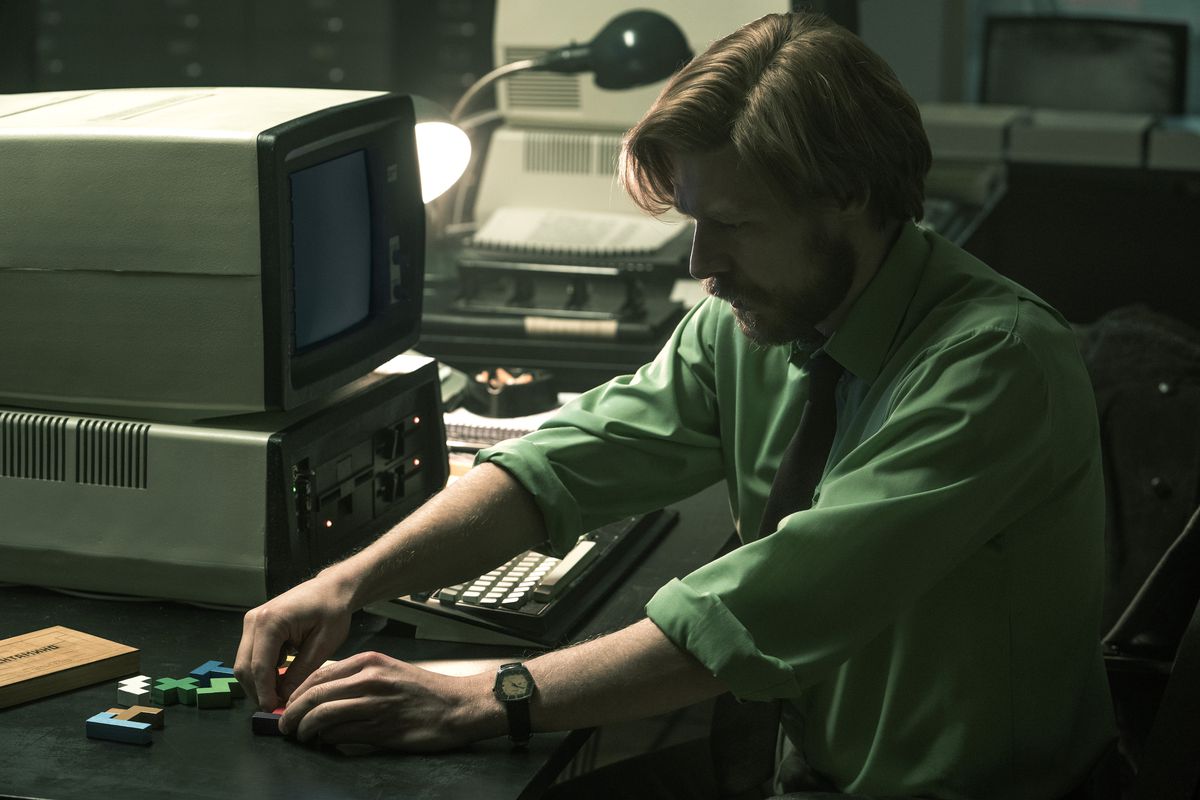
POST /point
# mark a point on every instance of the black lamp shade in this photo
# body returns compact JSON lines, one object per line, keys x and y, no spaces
{"x":635,"y":48}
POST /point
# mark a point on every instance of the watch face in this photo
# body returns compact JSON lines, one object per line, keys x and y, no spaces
{"x":515,"y":686}
{"x":513,"y":682}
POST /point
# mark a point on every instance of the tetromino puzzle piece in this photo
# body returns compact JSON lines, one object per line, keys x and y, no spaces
{"x":106,"y":726}
{"x":220,"y":694}
{"x":266,"y":723}
{"x":134,"y":691}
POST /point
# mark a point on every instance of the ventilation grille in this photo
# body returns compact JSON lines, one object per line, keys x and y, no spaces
{"x":109,"y":453}
{"x":33,"y":446}
{"x":571,"y":153}
{"x":605,"y":151}
{"x":540,"y":90}
{"x":558,"y":152}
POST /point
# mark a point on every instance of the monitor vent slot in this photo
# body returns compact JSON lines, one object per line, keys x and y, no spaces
{"x":33,"y":446}
{"x":571,"y":153}
{"x":540,"y":90}
{"x":606,"y":150}
{"x":110,"y":453}
{"x":558,"y":152}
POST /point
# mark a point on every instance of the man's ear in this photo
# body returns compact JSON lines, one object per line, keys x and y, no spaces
{"x":856,"y":206}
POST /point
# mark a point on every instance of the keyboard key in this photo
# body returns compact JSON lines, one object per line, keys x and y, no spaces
{"x":449,"y":595}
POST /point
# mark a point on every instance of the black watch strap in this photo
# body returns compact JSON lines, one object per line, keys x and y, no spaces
{"x":518,"y":722}
{"x":514,"y":687}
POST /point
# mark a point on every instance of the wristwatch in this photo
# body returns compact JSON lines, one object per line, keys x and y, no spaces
{"x":514,"y":686}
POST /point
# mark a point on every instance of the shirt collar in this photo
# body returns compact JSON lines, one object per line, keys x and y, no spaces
{"x":861,"y":343}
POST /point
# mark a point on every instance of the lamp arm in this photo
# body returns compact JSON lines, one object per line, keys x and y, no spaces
{"x":572,"y":58}
{"x":486,"y":80}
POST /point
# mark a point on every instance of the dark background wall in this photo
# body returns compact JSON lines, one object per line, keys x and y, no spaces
{"x":435,"y":48}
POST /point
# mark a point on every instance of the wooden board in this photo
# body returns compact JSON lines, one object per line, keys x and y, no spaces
{"x":58,"y":659}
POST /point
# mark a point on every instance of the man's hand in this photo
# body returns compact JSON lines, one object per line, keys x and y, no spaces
{"x":312,"y":619}
{"x":373,"y":699}
{"x":481,"y":520}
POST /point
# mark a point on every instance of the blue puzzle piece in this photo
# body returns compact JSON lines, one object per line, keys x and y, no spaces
{"x":209,"y":670}
{"x":106,"y":726}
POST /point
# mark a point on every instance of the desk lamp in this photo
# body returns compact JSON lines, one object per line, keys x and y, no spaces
{"x":443,"y":149}
{"x":635,"y":48}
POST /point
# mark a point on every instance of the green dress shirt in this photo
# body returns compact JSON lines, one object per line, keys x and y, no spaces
{"x":933,"y":621}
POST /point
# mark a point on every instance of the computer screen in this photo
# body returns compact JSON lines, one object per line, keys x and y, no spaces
{"x":184,"y":254}
{"x":1085,"y":63}
{"x":331,"y":246}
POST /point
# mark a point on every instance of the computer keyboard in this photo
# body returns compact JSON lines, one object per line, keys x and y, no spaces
{"x":533,"y":599}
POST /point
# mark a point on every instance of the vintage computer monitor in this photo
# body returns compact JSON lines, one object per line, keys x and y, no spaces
{"x":196,"y":289}
{"x":190,"y":253}
{"x":1084,"y":63}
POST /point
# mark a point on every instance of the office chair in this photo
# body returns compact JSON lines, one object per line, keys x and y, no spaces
{"x":1085,"y":63}
{"x":1170,"y":759}
{"x":1145,"y":369}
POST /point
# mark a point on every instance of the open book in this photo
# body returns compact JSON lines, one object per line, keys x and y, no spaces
{"x":598,"y":233}
{"x":465,"y":428}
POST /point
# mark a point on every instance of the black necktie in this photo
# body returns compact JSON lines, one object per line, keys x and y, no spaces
{"x":744,"y":734}
{"x":804,"y":459}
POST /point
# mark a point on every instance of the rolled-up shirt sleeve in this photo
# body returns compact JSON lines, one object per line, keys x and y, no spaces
{"x":964,"y":448}
{"x":635,"y":444}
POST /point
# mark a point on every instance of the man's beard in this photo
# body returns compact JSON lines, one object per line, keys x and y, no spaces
{"x":776,"y":317}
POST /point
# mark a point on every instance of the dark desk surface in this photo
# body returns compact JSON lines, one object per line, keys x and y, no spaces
{"x":212,"y":753}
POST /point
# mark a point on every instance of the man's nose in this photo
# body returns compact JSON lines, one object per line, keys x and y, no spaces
{"x":707,"y":258}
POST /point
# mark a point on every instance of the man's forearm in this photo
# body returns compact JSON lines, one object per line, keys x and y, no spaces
{"x":478,"y":522}
{"x":630,"y":674}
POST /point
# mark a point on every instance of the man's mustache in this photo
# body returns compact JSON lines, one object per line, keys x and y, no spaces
{"x":720,"y":288}
{"x":725,"y":289}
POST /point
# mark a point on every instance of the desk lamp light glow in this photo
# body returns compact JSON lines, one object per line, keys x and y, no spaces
{"x":443,"y":149}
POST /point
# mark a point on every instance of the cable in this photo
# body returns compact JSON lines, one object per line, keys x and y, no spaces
{"x":124,"y":598}
{"x":217,"y":606}
{"x":129,"y":598}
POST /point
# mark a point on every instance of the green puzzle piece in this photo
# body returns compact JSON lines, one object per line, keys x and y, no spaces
{"x":169,"y":691}
{"x":220,"y":694}
{"x":213,"y":697}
